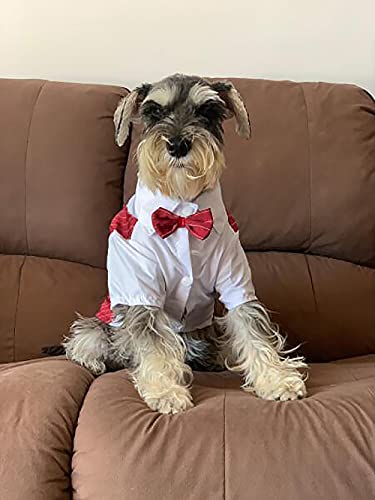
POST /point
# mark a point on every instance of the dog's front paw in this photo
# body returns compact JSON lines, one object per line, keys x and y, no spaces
{"x":176,"y":400}
{"x":281,"y":387}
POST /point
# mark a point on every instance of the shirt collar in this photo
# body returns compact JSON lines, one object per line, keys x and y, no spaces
{"x":146,"y":202}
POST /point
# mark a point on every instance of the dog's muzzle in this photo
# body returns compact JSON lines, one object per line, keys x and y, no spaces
{"x":178,"y":147}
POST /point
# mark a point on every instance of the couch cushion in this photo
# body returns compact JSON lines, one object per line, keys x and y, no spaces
{"x":61,"y":169}
{"x":40,"y":403}
{"x":61,"y":183}
{"x":325,"y":305}
{"x":63,"y":288}
{"x":39,"y":299}
{"x":231,"y":445}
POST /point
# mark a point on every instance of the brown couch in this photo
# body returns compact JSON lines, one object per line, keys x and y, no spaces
{"x":303,"y":192}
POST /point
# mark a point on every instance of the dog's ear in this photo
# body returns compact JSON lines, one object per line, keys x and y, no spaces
{"x":235,"y":105}
{"x":127,"y":110}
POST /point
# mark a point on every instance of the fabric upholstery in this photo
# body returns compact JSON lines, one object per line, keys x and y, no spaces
{"x":61,"y":183}
{"x":326,"y":305}
{"x":63,"y":288}
{"x":231,"y":445}
{"x":40,"y":403}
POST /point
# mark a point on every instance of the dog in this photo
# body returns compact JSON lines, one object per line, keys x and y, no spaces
{"x":171,"y":249}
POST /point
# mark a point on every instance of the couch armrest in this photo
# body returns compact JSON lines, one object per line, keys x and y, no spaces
{"x":40,"y":402}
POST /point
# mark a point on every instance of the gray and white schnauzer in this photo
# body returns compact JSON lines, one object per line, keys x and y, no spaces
{"x":172,"y":249}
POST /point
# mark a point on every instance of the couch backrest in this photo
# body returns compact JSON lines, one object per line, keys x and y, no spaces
{"x":61,"y":180}
{"x":303,"y":192}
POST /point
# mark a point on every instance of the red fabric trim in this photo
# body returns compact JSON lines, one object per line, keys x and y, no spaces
{"x":105,"y":313}
{"x":123,"y":223}
{"x":232,"y":222}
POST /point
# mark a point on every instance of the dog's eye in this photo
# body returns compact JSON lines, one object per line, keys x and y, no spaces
{"x":153,"y":111}
{"x":211,"y":111}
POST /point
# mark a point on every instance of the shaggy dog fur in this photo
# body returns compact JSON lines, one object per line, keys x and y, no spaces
{"x":244,"y":340}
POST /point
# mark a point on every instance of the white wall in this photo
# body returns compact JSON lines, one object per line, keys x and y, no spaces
{"x":128,"y":41}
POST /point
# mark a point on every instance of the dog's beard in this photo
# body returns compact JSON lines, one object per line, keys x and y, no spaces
{"x":183,"y":178}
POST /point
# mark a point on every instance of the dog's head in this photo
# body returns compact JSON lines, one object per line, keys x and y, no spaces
{"x":181,"y":149}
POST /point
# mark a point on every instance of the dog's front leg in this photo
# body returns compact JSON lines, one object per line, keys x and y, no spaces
{"x":254,"y":348}
{"x":158,"y":358}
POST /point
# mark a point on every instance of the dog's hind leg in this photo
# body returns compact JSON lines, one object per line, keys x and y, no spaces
{"x":203,"y":351}
{"x":88,"y":344}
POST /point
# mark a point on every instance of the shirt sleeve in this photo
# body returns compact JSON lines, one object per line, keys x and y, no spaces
{"x":134,"y":275}
{"x":234,"y":282}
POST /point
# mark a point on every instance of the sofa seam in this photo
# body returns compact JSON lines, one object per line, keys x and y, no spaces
{"x":224,"y":444}
{"x":309,"y":162}
{"x":311,"y":282}
{"x":246,"y":250}
{"x":75,"y":426}
{"x":26,"y":162}
{"x":53,"y":258}
{"x":16,"y":308}
{"x":310,"y":254}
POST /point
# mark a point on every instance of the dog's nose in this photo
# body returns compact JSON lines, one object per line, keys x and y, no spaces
{"x":178,"y":146}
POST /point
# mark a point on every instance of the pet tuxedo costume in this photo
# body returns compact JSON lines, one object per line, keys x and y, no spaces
{"x":175,"y":255}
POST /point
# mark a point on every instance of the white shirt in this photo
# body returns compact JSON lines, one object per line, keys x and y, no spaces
{"x":180,"y":273}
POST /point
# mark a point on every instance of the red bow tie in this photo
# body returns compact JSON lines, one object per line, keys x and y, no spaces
{"x":199,"y":224}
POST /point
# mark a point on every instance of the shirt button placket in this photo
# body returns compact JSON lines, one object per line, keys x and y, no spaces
{"x":185,"y":262}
